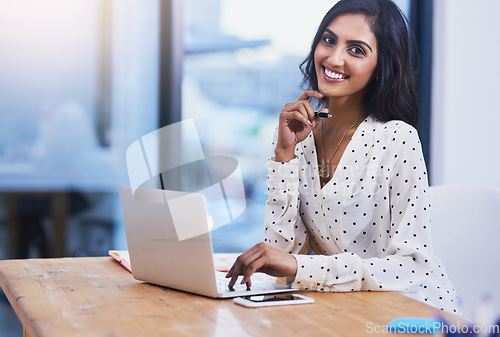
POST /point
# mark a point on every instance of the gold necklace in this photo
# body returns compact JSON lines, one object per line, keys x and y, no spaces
{"x":324,"y":169}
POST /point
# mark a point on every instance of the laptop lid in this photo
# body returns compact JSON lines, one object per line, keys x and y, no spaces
{"x":157,"y":255}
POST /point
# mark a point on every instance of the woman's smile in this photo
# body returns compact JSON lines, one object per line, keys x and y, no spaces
{"x":334,"y":75}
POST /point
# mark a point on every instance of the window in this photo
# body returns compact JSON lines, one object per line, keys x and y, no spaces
{"x":79,"y":84}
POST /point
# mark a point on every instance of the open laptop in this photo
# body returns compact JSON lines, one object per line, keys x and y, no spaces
{"x":158,"y":256}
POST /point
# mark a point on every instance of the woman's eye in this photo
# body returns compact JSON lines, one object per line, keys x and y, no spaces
{"x":357,"y":50}
{"x":329,"y":40}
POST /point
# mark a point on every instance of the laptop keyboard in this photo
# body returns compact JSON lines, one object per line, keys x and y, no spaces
{"x":222,"y":286}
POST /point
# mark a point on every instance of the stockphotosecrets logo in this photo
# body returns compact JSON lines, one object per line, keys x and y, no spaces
{"x":169,"y":166}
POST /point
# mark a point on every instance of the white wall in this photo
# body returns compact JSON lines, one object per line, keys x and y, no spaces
{"x":465,"y":135}
{"x":466,"y":93}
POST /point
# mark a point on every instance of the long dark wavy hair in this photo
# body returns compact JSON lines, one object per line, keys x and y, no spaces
{"x":391,"y":93}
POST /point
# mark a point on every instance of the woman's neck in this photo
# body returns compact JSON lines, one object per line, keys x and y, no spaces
{"x":344,"y":113}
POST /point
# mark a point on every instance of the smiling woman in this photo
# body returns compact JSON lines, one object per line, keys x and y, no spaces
{"x":394,"y":97}
{"x":344,"y":55}
{"x":361,"y":223}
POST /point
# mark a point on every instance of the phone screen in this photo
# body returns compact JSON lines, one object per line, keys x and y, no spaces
{"x":271,"y":298}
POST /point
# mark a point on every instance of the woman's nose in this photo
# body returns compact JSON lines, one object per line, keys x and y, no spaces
{"x":336,"y":57}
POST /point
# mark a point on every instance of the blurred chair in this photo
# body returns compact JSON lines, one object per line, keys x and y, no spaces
{"x":466,"y":238}
{"x":26,"y":212}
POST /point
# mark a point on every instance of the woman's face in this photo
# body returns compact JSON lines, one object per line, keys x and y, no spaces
{"x":346,"y":56}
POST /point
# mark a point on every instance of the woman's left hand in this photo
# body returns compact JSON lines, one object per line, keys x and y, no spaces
{"x":262,"y":258}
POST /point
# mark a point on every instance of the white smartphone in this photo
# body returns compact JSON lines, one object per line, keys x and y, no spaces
{"x":272,"y":300}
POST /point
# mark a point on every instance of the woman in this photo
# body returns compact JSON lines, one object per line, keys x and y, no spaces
{"x":352,"y":189}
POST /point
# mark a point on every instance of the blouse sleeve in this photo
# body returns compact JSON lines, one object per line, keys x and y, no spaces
{"x":284,"y":228}
{"x":405,"y":262}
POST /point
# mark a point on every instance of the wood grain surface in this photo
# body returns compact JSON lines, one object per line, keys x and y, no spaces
{"x":98,"y":297}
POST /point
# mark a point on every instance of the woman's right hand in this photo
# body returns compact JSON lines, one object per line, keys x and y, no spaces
{"x":296,"y":122}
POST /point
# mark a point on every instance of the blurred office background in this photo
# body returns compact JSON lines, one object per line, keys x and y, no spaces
{"x":81,"y":80}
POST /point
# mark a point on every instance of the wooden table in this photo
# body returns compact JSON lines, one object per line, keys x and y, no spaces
{"x":98,"y":297}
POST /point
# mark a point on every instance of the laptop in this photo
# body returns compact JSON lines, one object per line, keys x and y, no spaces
{"x":163,"y":253}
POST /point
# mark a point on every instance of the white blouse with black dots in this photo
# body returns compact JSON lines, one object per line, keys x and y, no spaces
{"x":368,"y":227}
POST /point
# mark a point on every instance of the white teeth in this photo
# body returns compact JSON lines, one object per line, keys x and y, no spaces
{"x":333,"y":75}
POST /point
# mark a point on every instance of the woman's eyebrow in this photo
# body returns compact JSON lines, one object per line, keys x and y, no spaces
{"x":349,"y":41}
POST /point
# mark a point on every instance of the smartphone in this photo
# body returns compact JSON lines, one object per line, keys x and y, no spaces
{"x":272,"y":300}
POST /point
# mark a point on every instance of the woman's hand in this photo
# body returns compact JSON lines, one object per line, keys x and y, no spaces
{"x":296,"y":122}
{"x":262,"y":258}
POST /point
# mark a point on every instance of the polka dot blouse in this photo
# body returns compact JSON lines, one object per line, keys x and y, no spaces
{"x":368,"y":227}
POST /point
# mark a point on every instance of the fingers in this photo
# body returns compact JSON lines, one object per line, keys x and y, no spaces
{"x":297,"y":113}
{"x":296,"y":121}
{"x":301,"y":110}
{"x":242,"y":266}
{"x":234,"y":273}
{"x":306,"y":110}
{"x":262,"y":258}
{"x":246,"y":264}
{"x":309,"y":94}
